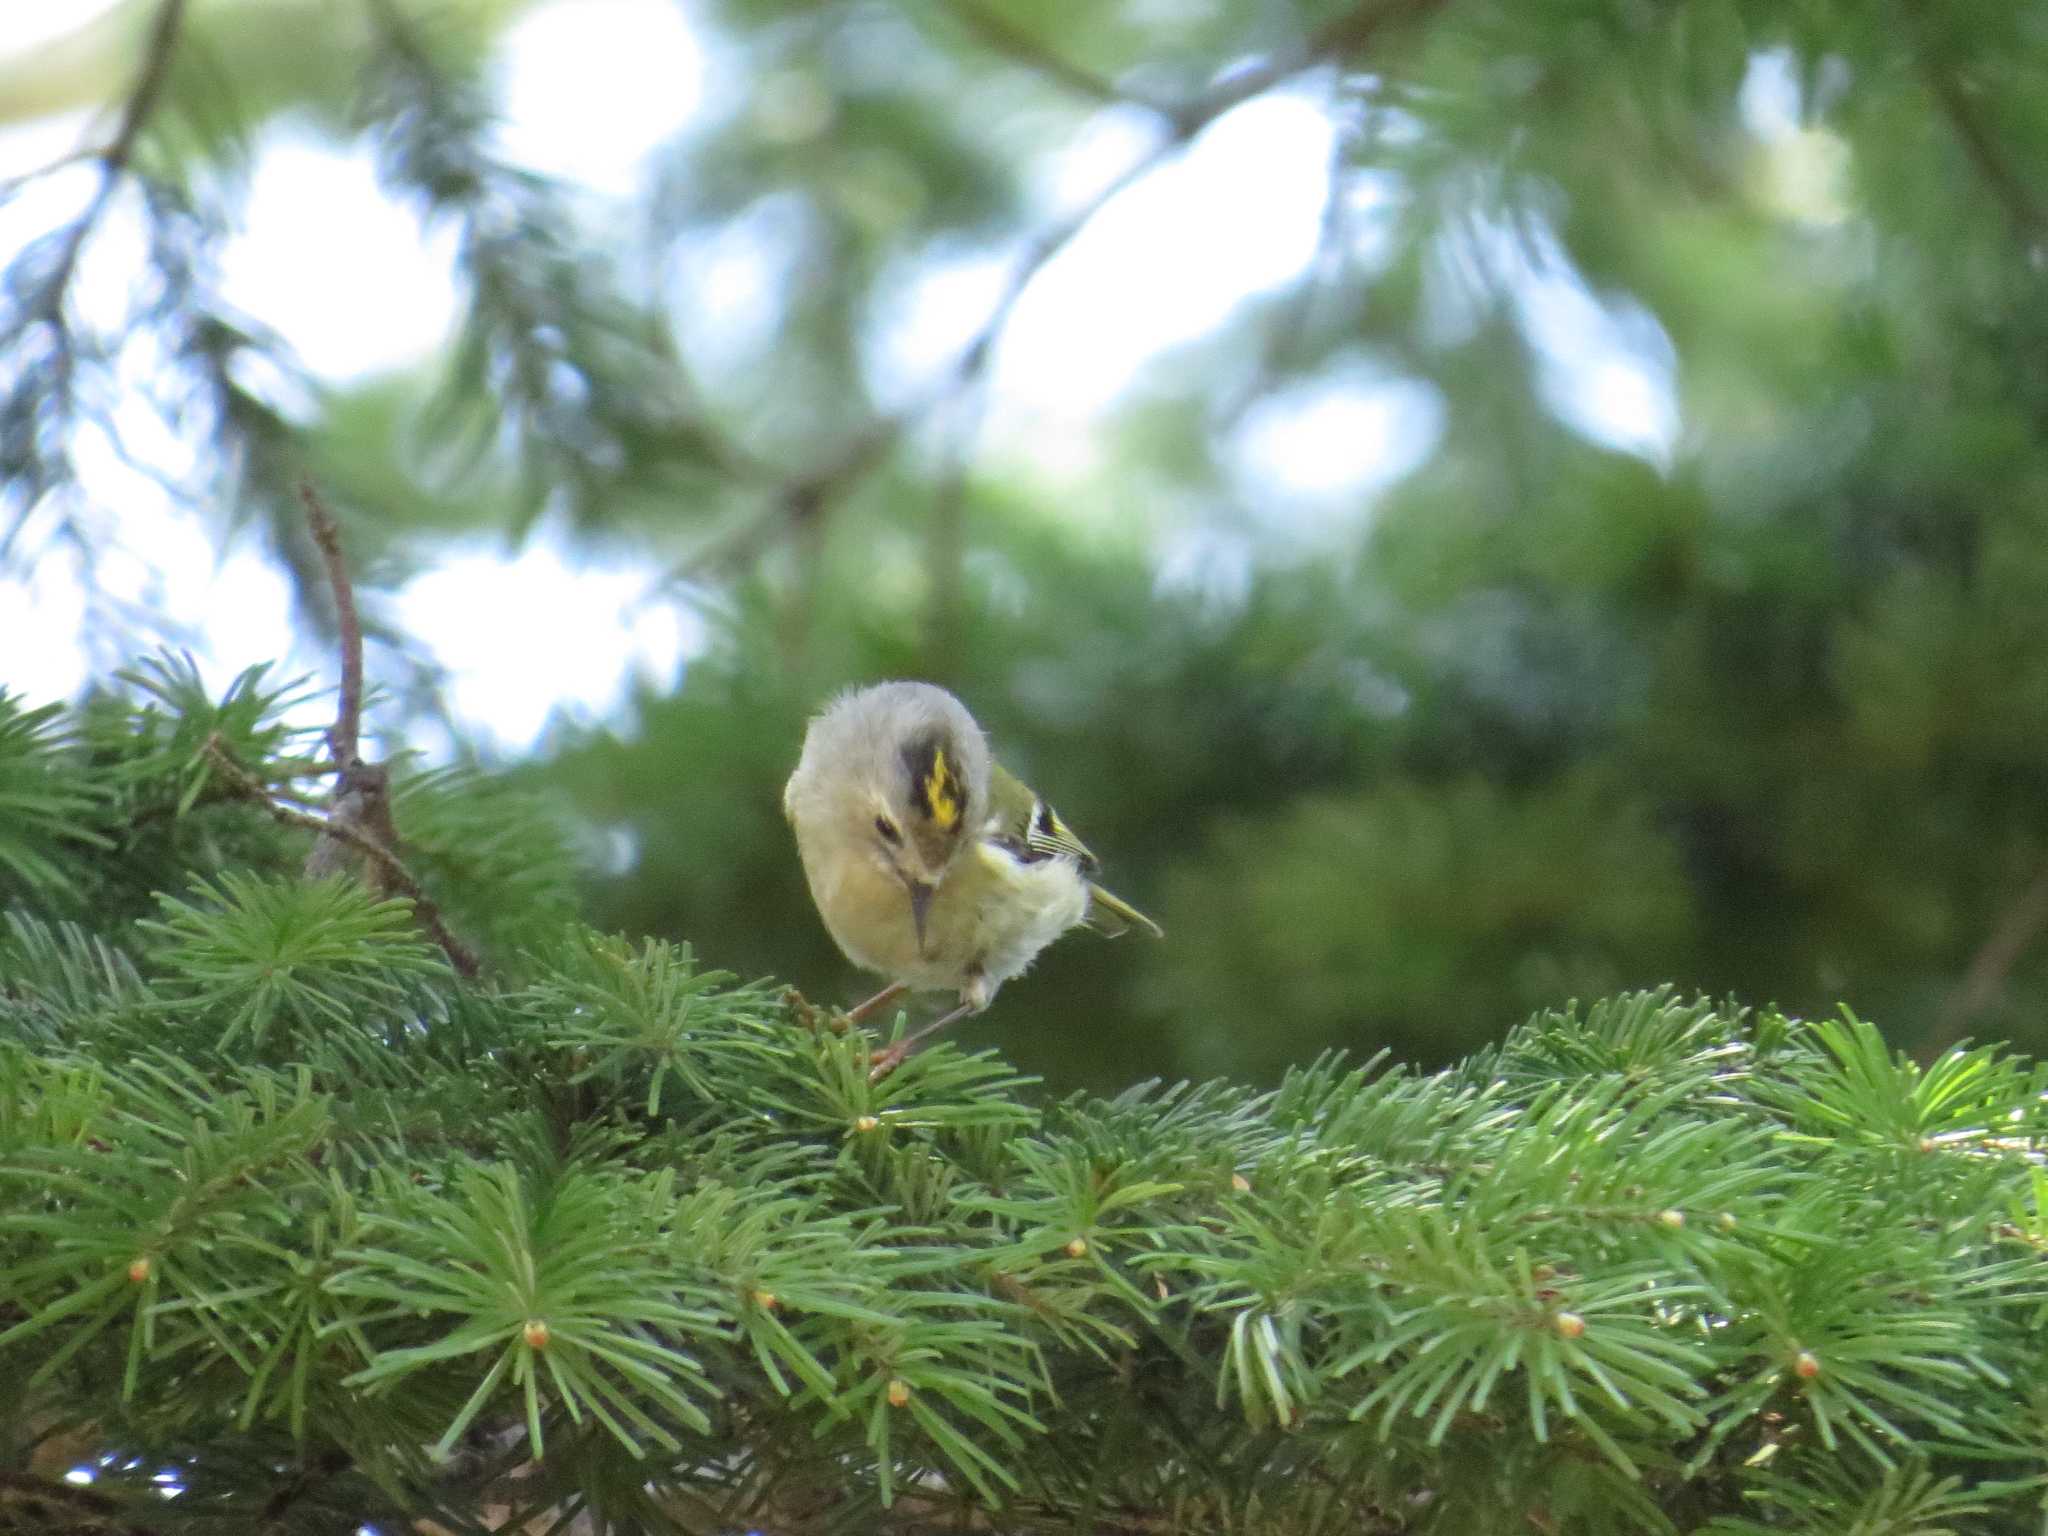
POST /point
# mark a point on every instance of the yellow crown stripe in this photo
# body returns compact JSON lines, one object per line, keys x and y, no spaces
{"x":942,"y":792}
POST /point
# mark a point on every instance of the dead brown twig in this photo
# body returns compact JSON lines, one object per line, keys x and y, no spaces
{"x":345,"y":740}
{"x":359,"y":817}
{"x":396,"y":876}
{"x":362,"y":790}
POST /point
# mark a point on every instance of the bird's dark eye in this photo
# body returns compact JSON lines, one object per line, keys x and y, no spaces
{"x":888,"y":830}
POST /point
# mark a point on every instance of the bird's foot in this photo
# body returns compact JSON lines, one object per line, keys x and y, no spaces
{"x":809,"y":1014}
{"x":891,"y":1056}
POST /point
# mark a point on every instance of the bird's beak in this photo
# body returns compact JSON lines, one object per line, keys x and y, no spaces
{"x":920,"y":904}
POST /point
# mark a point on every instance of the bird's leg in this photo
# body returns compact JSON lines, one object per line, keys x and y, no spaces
{"x":889,"y":1058}
{"x":974,"y":997}
{"x":881,"y":999}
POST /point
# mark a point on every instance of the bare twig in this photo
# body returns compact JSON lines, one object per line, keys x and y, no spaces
{"x":799,"y":502}
{"x":2016,"y":929}
{"x":1027,"y":48}
{"x":803,"y":501}
{"x":2023,"y":208}
{"x":26,"y":1496}
{"x":362,"y":790}
{"x":359,"y":815}
{"x":345,"y":740}
{"x":399,"y":877}
{"x":120,"y":150}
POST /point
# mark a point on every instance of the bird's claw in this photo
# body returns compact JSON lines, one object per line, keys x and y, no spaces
{"x":810,"y":1015}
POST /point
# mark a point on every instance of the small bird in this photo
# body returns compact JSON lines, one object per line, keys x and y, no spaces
{"x":931,"y":864}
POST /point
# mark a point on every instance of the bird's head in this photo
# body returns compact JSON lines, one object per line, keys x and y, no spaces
{"x":923,"y":805}
{"x":906,"y":771}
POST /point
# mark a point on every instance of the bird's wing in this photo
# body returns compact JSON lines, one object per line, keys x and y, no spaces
{"x":1030,"y":829}
{"x":1021,"y":819}
{"x":1111,"y":916}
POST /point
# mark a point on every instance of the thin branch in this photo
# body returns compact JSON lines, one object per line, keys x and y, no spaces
{"x":345,"y":740}
{"x":120,"y":150}
{"x":1027,"y":48}
{"x":2023,"y":208}
{"x":360,"y":814}
{"x":2007,"y":185}
{"x":2017,"y":928}
{"x":804,"y":500}
{"x":149,"y":86}
{"x":1344,"y":35}
{"x":799,"y":502}
{"x":9,"y":185}
{"x":424,"y":909}
{"x":1040,"y":253}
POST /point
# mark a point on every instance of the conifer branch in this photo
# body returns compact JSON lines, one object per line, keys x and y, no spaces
{"x":361,"y":814}
{"x":395,"y":875}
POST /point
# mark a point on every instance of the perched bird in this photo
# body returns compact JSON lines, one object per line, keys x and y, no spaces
{"x":929,"y":863}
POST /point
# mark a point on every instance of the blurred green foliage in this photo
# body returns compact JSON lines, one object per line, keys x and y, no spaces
{"x":1761,"y":712}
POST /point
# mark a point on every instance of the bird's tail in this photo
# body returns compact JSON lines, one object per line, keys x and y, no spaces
{"x":1112,"y":916}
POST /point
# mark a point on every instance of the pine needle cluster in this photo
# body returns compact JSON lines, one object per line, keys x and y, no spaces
{"x":300,"y":1231}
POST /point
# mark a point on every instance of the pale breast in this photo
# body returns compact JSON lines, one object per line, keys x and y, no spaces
{"x":867,"y":912}
{"x":987,"y":921}
{"x":1012,"y":909}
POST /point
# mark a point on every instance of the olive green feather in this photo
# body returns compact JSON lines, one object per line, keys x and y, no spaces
{"x":1021,"y":820}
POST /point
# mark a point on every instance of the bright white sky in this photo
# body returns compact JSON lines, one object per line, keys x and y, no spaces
{"x":591,"y":87}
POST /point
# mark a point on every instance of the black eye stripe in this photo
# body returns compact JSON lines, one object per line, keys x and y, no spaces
{"x":888,"y":830}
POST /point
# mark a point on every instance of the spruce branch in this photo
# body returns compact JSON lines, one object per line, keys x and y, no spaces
{"x":747,"y":1288}
{"x":393,"y":870}
{"x":40,"y":338}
